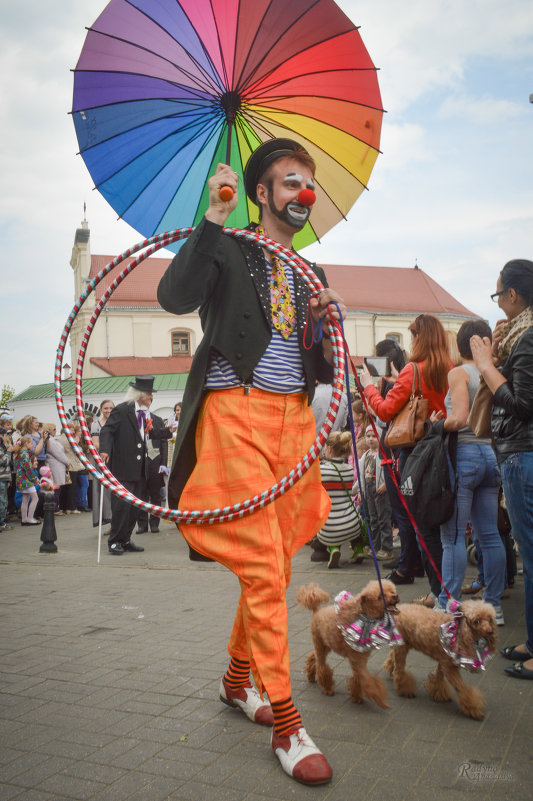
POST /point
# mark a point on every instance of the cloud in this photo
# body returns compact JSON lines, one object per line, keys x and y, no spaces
{"x":481,"y":111}
{"x":424,"y":46}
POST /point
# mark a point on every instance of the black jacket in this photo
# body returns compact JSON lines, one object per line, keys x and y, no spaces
{"x":159,"y":435}
{"x":512,"y":411}
{"x":225,"y":278}
{"x":121,"y":439}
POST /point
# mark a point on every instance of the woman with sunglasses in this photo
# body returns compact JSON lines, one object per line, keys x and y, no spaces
{"x":430,"y":350}
{"x":507,"y":367}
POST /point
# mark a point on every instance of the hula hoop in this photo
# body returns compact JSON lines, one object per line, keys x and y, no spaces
{"x":102,"y":473}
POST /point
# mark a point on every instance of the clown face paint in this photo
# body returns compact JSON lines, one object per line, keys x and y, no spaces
{"x":292,"y":212}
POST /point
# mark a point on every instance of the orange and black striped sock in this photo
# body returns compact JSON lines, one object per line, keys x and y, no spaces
{"x":287,"y":719}
{"x":237,"y":674}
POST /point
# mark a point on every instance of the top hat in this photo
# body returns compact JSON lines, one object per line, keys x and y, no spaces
{"x":265,"y":155}
{"x":144,"y":383}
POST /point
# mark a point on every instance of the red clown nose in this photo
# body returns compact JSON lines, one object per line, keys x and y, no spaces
{"x":306,"y":197}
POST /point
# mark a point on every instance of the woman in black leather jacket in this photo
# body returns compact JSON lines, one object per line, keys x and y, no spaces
{"x":507,"y":368}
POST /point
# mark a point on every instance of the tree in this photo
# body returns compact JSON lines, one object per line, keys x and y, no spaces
{"x":7,"y":394}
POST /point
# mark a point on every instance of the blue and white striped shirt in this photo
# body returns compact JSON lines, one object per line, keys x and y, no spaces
{"x":280,"y":368}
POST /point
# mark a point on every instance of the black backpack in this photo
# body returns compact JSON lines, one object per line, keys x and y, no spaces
{"x":425,"y":478}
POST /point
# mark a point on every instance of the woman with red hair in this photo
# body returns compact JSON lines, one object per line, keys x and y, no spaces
{"x":430,"y":350}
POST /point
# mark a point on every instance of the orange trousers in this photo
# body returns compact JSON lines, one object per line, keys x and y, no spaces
{"x":244,"y":445}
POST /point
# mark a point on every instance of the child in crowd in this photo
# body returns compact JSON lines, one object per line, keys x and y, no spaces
{"x":361,"y":419}
{"x":377,"y":499}
{"x":343,"y":523}
{"x":27,"y":478}
{"x":46,"y":481}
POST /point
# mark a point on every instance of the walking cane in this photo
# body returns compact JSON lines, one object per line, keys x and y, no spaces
{"x":100,"y":520}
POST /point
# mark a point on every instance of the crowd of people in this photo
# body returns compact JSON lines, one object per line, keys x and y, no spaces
{"x":490,"y":472}
{"x":35,"y":458}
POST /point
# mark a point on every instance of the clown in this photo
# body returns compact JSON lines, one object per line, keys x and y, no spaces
{"x":246,"y":414}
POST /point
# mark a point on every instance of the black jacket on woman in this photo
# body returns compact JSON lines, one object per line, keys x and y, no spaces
{"x":226,"y":279}
{"x":512,"y":411}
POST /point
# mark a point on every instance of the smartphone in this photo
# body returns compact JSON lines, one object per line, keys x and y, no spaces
{"x":378,"y":365}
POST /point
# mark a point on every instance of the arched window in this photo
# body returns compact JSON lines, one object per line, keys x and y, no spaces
{"x":180,"y":343}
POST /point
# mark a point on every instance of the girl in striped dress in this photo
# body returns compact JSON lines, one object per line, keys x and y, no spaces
{"x":344,"y":522}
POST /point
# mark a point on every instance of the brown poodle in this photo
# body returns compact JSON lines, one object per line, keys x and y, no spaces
{"x":419,"y":627}
{"x":327,"y":637}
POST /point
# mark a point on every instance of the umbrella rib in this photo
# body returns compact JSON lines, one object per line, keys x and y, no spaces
{"x":220,"y":47}
{"x":256,"y":116}
{"x":206,"y":177}
{"x":147,"y":150}
{"x":241,"y":87}
{"x":208,"y":85}
{"x":280,"y":83}
{"x":175,"y":115}
{"x":208,"y":57}
{"x":250,"y":79}
{"x":121,"y":216}
{"x":209,"y":98}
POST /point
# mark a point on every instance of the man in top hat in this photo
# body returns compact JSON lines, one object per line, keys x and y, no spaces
{"x":124,"y":445}
{"x":246,"y":420}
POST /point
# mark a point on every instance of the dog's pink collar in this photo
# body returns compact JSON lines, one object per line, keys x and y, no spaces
{"x":364,"y":632}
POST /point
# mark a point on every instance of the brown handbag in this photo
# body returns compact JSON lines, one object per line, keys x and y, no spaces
{"x":481,"y":411}
{"x":407,"y":427}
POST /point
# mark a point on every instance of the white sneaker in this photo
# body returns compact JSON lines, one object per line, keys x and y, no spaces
{"x":500,"y":620}
{"x":300,"y":757}
{"x":249,"y":701}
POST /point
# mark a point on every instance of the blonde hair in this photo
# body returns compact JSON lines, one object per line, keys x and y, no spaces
{"x":455,"y":354}
{"x":340,"y":443}
{"x":24,"y":425}
{"x":24,"y":442}
{"x":49,"y":426}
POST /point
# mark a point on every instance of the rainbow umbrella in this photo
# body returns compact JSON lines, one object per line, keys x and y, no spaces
{"x":166,"y":89}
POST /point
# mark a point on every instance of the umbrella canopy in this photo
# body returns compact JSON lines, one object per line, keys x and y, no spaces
{"x":166,"y":89}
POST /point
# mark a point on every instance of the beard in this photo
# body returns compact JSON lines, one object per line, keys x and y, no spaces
{"x":292,"y":214}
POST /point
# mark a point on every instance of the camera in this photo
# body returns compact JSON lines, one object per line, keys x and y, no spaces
{"x":378,"y":365}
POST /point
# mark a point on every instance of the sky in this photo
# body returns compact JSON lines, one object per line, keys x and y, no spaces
{"x":451,"y":191}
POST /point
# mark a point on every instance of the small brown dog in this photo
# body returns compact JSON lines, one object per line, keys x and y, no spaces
{"x":419,"y":627}
{"x":327,"y":636}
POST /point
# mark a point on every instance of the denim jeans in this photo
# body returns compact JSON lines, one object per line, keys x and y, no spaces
{"x":478,"y":483}
{"x":81,"y":490}
{"x":517,"y":479}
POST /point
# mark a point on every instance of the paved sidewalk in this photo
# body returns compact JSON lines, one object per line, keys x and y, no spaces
{"x":110,"y":678}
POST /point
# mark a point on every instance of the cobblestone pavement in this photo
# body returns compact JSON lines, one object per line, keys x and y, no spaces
{"x":110,"y":678}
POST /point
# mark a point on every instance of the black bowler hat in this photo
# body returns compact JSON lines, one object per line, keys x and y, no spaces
{"x":265,"y":155}
{"x":144,"y":383}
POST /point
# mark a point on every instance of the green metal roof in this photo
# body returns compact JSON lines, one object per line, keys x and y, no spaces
{"x":101,"y":386}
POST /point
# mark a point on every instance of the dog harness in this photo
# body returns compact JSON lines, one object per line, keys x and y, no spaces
{"x":365,"y":632}
{"x":449,"y":640}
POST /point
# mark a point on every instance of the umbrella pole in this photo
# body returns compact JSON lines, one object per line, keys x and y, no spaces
{"x":228,"y":143}
{"x":226,"y":192}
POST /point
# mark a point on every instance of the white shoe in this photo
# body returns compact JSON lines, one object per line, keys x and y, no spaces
{"x":500,"y":620}
{"x":249,"y":701}
{"x":300,"y":757}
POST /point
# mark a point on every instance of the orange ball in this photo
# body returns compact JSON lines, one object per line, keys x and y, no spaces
{"x":225,"y":193}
